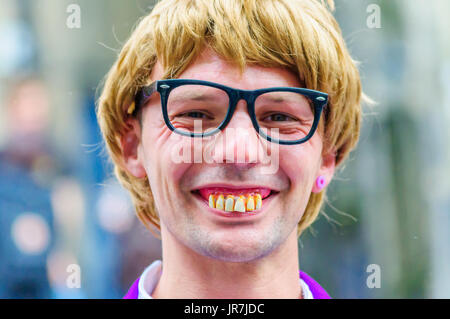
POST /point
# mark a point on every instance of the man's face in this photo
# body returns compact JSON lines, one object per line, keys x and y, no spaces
{"x":181,"y":190}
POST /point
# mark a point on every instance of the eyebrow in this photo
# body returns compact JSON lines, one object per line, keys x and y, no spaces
{"x":195,"y":96}
{"x":276,"y":98}
{"x":272,"y":98}
{"x":285,"y":101}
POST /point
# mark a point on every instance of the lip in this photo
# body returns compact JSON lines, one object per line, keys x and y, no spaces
{"x":236,"y":187}
{"x":233,"y":215}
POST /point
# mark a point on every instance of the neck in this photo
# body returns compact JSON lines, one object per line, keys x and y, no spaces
{"x":187,"y":274}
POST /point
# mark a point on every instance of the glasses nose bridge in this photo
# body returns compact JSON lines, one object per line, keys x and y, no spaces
{"x":246,"y":95}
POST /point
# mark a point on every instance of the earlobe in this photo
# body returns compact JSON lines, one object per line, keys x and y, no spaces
{"x":130,"y":144}
{"x":325,"y":173}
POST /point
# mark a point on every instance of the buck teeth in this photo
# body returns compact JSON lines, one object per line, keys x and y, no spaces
{"x":250,"y":203}
{"x":258,"y":201}
{"x":231,"y":203}
{"x":239,"y":206}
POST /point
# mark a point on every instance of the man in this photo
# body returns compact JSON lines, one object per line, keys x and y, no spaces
{"x":226,"y":120}
{"x":26,"y":171}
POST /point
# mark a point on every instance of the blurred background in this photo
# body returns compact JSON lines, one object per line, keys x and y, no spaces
{"x":62,"y":211}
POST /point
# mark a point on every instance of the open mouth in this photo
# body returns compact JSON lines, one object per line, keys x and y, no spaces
{"x":236,"y":200}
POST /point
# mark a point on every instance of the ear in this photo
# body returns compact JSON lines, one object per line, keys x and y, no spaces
{"x":131,"y":145}
{"x":326,"y":170}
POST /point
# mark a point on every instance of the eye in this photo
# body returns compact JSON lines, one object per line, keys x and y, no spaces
{"x":195,"y":115}
{"x":279,"y":117}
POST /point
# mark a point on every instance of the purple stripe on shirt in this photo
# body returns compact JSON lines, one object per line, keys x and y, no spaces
{"x":133,"y":292}
{"x":317,"y":291}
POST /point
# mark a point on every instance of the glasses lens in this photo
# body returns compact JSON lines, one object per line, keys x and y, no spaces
{"x":197,"y":108}
{"x":287,"y":116}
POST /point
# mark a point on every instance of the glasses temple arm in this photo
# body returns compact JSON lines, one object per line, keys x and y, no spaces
{"x":142,"y":97}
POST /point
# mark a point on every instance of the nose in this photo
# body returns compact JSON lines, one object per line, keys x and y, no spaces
{"x":238,"y":143}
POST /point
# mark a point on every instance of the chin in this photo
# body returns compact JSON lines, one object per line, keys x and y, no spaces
{"x":240,"y":247}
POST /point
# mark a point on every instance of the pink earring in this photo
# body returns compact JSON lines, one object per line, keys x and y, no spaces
{"x":320,"y":182}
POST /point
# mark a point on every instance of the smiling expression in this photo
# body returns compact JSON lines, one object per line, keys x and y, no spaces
{"x":191,"y":198}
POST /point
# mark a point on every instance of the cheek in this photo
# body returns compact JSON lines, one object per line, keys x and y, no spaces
{"x":163,"y":153}
{"x":300,"y":163}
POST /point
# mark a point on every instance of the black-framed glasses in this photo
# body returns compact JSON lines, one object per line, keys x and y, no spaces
{"x":196,"y":108}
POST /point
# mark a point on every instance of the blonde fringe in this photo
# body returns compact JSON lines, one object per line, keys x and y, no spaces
{"x":301,"y":35}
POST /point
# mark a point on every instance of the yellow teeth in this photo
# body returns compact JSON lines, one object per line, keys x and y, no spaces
{"x":219,"y":202}
{"x":258,"y":201}
{"x":240,"y":204}
{"x":250,"y":203}
{"x":212,"y":200}
{"x":229,"y":203}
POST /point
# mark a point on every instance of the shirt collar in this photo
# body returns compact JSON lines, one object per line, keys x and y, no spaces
{"x":150,"y":277}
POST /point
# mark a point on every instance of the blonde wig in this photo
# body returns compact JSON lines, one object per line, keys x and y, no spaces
{"x":301,"y":35}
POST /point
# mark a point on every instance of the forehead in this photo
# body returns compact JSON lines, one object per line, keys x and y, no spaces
{"x":209,"y":66}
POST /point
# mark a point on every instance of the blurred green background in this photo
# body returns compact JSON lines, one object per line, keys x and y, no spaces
{"x":60,"y":205}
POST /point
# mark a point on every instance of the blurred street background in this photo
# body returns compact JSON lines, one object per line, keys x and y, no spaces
{"x":61,"y":210}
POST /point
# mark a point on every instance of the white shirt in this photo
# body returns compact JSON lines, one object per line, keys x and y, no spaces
{"x":150,"y":277}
